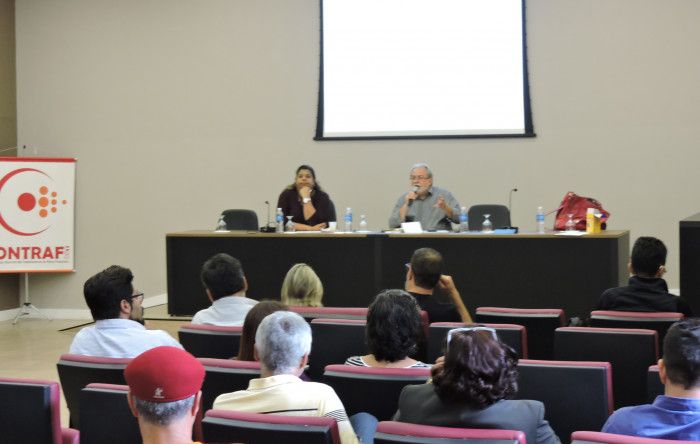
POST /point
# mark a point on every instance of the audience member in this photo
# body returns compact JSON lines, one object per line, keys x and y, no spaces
{"x":302,"y":287}
{"x":250,"y":327}
{"x":647,"y":291}
{"x":424,"y":274}
{"x":676,"y":413}
{"x":435,"y":208}
{"x":225,"y":284}
{"x":392,"y":332}
{"x":116,"y":308}
{"x":471,"y":388}
{"x":282,"y":345}
{"x":164,"y":392}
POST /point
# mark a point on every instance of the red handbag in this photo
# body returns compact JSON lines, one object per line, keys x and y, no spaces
{"x":577,"y":206}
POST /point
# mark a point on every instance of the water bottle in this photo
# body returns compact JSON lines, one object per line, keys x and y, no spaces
{"x":463,"y":220}
{"x":221,"y":225}
{"x":279,"y":218}
{"x":540,"y":220}
{"x":363,"y":223}
{"x":348,"y":220}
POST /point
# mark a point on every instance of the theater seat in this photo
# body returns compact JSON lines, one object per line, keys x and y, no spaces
{"x":611,"y":438}
{"x":540,"y":324}
{"x":654,"y":385}
{"x":335,"y":340}
{"x":402,"y":432}
{"x":225,"y":376}
{"x":30,"y":413}
{"x":105,"y":416}
{"x":77,"y":371}
{"x":371,"y":389}
{"x":232,"y":426}
{"x":310,"y":313}
{"x":210,"y":341}
{"x":659,"y":321}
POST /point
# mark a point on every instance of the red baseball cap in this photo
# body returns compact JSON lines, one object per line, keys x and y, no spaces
{"x":164,"y":374}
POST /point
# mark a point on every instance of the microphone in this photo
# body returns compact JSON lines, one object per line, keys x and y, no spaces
{"x":267,"y":228}
{"x":414,"y":190}
{"x":510,"y":199}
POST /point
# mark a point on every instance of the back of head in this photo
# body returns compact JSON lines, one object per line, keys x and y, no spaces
{"x":393,"y":325}
{"x":163,"y":382}
{"x":302,"y":286}
{"x":426,"y":265}
{"x":648,"y":255}
{"x":222,"y":275}
{"x":104,"y":291}
{"x":478,"y":370}
{"x":250,"y":326}
{"x":282,"y":340}
{"x":682,"y":353}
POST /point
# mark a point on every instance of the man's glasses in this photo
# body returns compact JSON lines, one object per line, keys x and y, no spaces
{"x":136,"y":296}
{"x":455,"y":330}
{"x":418,"y":177}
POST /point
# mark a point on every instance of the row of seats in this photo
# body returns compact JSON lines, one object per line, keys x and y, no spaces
{"x":566,"y":388}
{"x":29,"y":412}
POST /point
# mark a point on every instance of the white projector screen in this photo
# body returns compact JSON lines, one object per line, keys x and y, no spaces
{"x":423,"y":68}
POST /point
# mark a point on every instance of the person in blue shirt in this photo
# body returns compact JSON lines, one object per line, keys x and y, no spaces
{"x":676,"y":413}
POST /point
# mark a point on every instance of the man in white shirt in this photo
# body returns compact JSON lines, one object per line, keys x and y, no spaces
{"x":282,"y":345}
{"x":116,"y":308}
{"x":225,"y":284}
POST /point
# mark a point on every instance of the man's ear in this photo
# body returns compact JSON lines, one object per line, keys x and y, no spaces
{"x":132,"y":404}
{"x":662,"y":371}
{"x":245,"y":284}
{"x":209,"y":296}
{"x":661,"y":271}
{"x":304,"y":361}
{"x":630,"y":270}
{"x":195,"y":404}
{"x":409,"y":274}
{"x":125,"y":307}
{"x":256,"y":355}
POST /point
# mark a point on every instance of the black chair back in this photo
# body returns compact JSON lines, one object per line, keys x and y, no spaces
{"x":77,"y":371}
{"x":240,"y":220}
{"x":499,"y":216}
{"x":659,"y":321}
{"x":629,"y":351}
{"x":567,"y":389}
{"x":335,"y":340}
{"x":105,"y":416}
{"x":402,"y":432}
{"x":27,"y":412}
{"x":208,"y":341}
{"x":225,"y":376}
{"x":654,"y":385}
{"x":372,"y":390}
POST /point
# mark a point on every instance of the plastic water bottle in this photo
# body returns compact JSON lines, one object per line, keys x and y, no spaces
{"x":221,"y":225}
{"x":348,"y":220}
{"x":463,"y":220}
{"x":279,"y":219}
{"x":363,"y":223}
{"x":540,"y":220}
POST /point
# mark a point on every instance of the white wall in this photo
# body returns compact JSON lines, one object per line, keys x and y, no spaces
{"x":178,"y":109}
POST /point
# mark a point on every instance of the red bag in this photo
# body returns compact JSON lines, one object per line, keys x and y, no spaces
{"x":577,"y":205}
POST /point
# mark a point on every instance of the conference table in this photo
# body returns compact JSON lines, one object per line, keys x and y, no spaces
{"x":525,"y":270}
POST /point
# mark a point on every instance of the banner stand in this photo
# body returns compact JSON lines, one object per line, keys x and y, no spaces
{"x":27,"y":307}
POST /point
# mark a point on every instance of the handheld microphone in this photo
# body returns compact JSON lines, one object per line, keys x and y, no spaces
{"x":413,"y":190}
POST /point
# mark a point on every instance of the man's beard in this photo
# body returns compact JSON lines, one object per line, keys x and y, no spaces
{"x":140,"y":319}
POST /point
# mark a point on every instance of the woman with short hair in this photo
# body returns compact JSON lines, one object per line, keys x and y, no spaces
{"x":473,"y":387}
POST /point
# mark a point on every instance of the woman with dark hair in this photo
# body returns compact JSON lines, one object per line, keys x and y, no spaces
{"x":392,"y":332}
{"x":472,"y":387}
{"x":250,"y":326}
{"x":311,"y":209}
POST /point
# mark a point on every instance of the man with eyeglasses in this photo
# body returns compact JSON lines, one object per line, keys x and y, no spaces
{"x":116,"y":308}
{"x":435,"y":208}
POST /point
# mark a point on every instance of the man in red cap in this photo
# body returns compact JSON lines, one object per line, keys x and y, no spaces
{"x":164,"y":392}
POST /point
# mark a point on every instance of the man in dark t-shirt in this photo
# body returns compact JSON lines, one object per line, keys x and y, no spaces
{"x":646,"y":290}
{"x":423,"y":276}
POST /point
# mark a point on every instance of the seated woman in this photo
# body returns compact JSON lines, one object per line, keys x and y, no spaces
{"x":471,"y":388}
{"x":302,"y":287}
{"x":392,"y":332}
{"x":311,"y":209}
{"x":250,"y":326}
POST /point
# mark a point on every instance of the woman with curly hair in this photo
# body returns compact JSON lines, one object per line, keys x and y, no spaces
{"x":392,"y":332}
{"x":473,"y":387}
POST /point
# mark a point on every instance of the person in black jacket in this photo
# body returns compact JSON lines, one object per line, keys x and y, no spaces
{"x":646,"y":290}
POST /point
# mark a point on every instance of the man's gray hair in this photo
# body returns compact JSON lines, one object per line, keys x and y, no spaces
{"x":282,"y":340}
{"x":422,"y":165}
{"x":163,"y":413}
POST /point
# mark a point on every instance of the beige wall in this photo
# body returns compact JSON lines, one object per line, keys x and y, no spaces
{"x":8,"y":120}
{"x":178,"y":109}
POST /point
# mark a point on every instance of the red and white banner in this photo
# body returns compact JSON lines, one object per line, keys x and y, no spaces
{"x":37,"y":214}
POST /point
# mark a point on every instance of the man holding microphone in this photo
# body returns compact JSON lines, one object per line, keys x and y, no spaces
{"x":435,"y":208}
